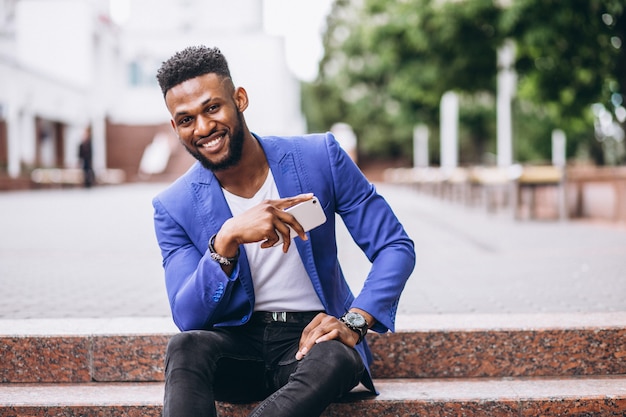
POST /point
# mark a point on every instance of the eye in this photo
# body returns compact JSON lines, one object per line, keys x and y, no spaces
{"x":184,"y":121}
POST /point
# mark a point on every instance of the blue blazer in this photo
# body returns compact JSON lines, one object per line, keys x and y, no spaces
{"x":193,"y":208}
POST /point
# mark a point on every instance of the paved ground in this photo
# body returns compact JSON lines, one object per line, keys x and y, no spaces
{"x":76,"y":253}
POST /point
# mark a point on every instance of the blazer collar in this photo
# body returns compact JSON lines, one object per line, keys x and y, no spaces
{"x":281,"y":161}
{"x":208,"y":191}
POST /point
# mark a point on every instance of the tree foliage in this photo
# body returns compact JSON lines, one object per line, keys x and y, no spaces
{"x":570,"y":56}
{"x":387,"y":64}
{"x":568,"y":60}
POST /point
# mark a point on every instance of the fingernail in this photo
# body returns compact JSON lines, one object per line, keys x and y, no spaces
{"x":301,"y":353}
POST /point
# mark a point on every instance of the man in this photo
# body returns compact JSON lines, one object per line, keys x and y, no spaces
{"x":277,"y":324}
{"x":85,"y":155}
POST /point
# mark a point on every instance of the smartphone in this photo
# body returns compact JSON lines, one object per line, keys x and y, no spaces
{"x":308,"y":213}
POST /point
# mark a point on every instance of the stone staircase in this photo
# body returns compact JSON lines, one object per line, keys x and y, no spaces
{"x":440,"y":365}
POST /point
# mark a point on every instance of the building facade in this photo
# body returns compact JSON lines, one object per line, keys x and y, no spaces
{"x":70,"y":64}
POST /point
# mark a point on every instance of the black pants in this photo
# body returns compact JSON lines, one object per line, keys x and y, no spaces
{"x":256,"y":362}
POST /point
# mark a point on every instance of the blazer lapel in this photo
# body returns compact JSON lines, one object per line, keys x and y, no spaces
{"x":283,"y":168}
{"x":211,"y":204}
{"x":213,"y":211}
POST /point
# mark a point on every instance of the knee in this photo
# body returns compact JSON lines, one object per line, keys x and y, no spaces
{"x":339,"y":357}
{"x":187,"y":348}
{"x":336,"y":362}
{"x":182,"y":342}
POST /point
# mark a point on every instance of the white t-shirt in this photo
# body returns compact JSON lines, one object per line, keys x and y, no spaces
{"x":281,"y":282}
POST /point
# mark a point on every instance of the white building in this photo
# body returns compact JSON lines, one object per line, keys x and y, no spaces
{"x":67,"y":64}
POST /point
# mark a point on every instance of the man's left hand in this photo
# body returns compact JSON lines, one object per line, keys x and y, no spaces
{"x":324,"y":328}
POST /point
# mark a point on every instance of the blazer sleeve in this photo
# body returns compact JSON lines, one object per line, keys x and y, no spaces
{"x":378,"y":232}
{"x":197,"y":287}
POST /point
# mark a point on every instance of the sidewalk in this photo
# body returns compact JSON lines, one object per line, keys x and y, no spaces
{"x":76,"y":253}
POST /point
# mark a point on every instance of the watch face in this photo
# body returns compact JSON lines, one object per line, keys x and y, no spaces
{"x":355,"y":319}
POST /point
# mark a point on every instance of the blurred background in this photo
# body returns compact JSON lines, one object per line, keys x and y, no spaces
{"x":519,"y":100}
{"x":494,"y":128}
{"x":70,"y":64}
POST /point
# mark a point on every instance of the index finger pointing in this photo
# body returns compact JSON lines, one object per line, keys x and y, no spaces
{"x":287,"y":202}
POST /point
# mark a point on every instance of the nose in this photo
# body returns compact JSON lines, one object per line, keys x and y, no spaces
{"x":204,"y":125}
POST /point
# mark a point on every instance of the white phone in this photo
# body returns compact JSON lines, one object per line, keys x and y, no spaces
{"x":308,"y":213}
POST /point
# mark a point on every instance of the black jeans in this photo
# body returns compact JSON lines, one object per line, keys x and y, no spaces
{"x":256,"y":362}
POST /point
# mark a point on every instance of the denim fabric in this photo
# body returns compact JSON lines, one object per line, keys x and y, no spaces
{"x":256,"y":362}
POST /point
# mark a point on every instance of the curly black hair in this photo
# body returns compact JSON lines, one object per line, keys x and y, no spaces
{"x":189,"y":63}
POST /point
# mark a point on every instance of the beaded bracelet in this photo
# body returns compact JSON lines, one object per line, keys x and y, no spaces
{"x":222,"y":260}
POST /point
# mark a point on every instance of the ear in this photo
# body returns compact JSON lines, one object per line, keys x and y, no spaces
{"x":241,"y":98}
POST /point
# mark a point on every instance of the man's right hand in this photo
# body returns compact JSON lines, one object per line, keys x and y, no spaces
{"x":261,"y":223}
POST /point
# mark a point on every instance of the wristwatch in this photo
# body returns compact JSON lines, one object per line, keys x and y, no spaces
{"x":357,"y":323}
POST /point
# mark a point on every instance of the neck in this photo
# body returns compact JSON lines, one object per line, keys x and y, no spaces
{"x":247,"y":177}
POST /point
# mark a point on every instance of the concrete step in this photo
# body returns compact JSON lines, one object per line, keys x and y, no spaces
{"x":132,"y":350}
{"x":590,"y":396}
{"x":529,"y":365}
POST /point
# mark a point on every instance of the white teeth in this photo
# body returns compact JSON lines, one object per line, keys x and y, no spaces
{"x":212,"y":143}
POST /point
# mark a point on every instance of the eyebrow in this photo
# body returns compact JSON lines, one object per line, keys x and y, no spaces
{"x":184,"y":113}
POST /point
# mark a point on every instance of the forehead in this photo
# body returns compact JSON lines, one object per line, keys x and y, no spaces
{"x":198,"y":90}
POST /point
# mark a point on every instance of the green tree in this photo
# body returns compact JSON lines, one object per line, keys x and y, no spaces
{"x":569,"y":56}
{"x":387,"y":64}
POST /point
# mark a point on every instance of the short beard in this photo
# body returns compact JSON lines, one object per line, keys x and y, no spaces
{"x":235,"y":149}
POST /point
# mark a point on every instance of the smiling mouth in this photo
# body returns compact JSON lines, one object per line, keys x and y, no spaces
{"x":212,"y":143}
